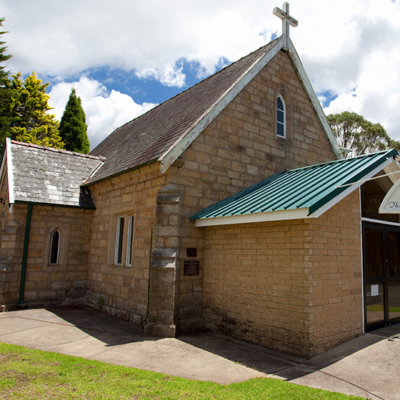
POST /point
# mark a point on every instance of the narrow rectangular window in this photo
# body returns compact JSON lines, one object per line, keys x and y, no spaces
{"x":129,"y":241}
{"x":54,"y":247}
{"x":120,"y":240}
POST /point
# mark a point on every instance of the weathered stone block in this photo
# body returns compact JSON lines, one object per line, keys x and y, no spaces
{"x":162,"y":263}
{"x":166,"y":252}
{"x":157,"y":330}
{"x":168,"y":198}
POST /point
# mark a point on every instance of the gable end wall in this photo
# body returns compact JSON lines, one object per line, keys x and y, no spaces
{"x":238,"y":149}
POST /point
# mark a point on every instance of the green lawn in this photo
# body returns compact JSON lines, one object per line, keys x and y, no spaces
{"x":380,"y":308}
{"x":32,"y":374}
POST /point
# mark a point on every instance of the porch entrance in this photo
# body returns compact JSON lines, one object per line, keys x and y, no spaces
{"x":381,"y":261}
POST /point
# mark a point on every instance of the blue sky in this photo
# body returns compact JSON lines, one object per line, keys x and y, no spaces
{"x":147,"y":89}
{"x":125,"y":57}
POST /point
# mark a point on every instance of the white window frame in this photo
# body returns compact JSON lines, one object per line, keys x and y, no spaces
{"x":58,"y":246}
{"x":124,"y":231}
{"x":284,"y":116}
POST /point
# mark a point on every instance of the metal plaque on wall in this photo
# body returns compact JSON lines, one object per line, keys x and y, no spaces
{"x":191,"y":268}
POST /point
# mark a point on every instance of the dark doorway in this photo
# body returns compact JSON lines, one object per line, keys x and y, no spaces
{"x":381,"y":260}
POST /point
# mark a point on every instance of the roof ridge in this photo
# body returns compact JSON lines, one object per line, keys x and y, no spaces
{"x":72,"y":153}
{"x":342,"y":160}
{"x":198,"y":83}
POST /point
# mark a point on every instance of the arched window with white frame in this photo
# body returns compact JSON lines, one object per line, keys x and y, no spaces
{"x":280,"y":117}
{"x":55,"y":247}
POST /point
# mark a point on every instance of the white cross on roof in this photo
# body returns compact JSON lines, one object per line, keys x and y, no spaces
{"x":286,"y":21}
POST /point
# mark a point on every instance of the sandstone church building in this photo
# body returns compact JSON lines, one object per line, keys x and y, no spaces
{"x":230,"y":207}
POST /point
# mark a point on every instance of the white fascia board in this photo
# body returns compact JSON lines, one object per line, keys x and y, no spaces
{"x":314,"y":99}
{"x":168,"y":158}
{"x":283,"y":215}
{"x":3,"y":168}
{"x":351,"y":189}
{"x":10,"y":176}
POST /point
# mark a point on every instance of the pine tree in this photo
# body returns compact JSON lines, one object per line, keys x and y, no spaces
{"x":73,"y":128}
{"x":5,"y":93}
{"x":30,"y":121}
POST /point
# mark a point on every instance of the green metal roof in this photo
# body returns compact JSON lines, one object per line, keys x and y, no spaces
{"x":309,"y":187}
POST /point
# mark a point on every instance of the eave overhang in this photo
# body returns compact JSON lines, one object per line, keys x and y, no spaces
{"x":282,"y":215}
{"x":297,"y":194}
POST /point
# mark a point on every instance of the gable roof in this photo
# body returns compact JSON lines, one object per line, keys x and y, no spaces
{"x":163,"y":133}
{"x":38,"y":174}
{"x":297,"y":194}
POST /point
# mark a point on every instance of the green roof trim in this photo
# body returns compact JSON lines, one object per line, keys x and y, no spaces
{"x":310,"y":187}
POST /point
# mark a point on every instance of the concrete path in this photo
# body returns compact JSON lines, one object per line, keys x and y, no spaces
{"x":368,"y":366}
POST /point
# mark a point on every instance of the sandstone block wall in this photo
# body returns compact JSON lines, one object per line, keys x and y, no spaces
{"x":255,"y":283}
{"x":45,"y":283}
{"x":11,"y":248}
{"x":122,"y":290}
{"x":335,"y":279}
{"x":295,"y":286}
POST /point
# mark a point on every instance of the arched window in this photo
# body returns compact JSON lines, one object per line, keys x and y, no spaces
{"x":281,"y":117}
{"x":54,"y":247}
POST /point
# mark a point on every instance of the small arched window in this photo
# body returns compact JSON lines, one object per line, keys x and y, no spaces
{"x":54,"y":247}
{"x":281,"y":117}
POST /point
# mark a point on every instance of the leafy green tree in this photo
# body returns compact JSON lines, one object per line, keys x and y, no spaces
{"x":73,"y":128}
{"x":394,"y":144}
{"x":30,"y":121}
{"x":353,"y":131}
{"x":5,"y":93}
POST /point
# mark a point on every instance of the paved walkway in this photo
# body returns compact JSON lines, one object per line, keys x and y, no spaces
{"x":368,"y":366}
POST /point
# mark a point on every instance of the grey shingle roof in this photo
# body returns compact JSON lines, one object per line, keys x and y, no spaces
{"x":147,"y":137}
{"x":51,"y":176}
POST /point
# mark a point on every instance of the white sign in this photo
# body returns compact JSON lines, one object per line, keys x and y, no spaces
{"x":374,"y":290}
{"x":391,"y":203}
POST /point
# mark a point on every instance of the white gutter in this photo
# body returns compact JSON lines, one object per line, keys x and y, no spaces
{"x":282,"y":215}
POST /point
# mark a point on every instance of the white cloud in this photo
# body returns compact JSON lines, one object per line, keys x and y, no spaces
{"x":147,"y":35}
{"x":104,"y":111}
{"x":346,"y":102}
{"x":170,"y":76}
{"x":349,"y":48}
